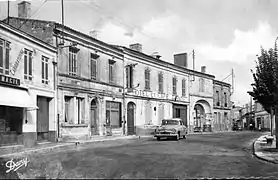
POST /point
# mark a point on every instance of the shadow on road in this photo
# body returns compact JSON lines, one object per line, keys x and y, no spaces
{"x":3,"y":169}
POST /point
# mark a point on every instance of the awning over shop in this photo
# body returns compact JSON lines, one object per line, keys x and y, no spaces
{"x":16,"y":98}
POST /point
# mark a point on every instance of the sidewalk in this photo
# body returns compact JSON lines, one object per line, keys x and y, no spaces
{"x":19,"y":150}
{"x":265,"y":151}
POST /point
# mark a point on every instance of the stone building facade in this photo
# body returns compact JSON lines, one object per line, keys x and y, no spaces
{"x":27,"y":88}
{"x":201,"y":100}
{"x":89,"y":79}
{"x":222,"y":106}
{"x":154,"y":90}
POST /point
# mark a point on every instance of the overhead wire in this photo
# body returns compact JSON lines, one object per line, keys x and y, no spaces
{"x":117,"y":18}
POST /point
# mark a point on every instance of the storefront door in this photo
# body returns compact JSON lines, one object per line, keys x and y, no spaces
{"x":42,"y":118}
{"x":130,"y":118}
{"x":94,"y":117}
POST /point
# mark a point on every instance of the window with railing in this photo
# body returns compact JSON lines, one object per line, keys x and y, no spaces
{"x":94,"y":66}
{"x":129,"y":76}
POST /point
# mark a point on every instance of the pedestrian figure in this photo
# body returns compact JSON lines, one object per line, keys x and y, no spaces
{"x":260,"y":127}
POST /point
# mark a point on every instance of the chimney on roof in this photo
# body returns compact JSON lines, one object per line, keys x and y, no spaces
{"x":180,"y":59}
{"x":156,"y":55}
{"x":94,"y":34}
{"x":136,"y":47}
{"x":203,"y":69}
{"x":24,"y":9}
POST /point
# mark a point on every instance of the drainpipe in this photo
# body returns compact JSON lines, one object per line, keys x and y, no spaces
{"x":56,"y":88}
{"x":124,"y":107}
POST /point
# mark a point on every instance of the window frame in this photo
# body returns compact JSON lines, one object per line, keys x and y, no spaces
{"x":183,"y":87}
{"x":111,"y":73}
{"x":160,"y":82}
{"x":72,"y":61}
{"x":174,"y":84}
{"x":217,"y":98}
{"x":45,"y":69}
{"x":6,"y":49}
{"x":147,"y":74}
{"x":28,"y":64}
{"x":94,"y":58}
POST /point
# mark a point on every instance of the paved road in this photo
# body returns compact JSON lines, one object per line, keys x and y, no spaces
{"x":211,"y":155}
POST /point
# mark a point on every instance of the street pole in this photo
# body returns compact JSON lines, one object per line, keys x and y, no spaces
{"x":8,"y":19}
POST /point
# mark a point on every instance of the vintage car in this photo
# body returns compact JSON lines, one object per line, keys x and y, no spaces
{"x":173,"y":128}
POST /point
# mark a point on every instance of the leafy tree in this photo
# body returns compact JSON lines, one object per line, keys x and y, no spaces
{"x":265,"y":86}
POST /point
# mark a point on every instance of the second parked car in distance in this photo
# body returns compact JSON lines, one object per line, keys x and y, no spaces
{"x":173,"y":127}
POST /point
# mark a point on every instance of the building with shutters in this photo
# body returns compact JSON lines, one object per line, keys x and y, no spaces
{"x":222,"y":106}
{"x":27,"y":89}
{"x":89,"y":78}
{"x":154,"y":90}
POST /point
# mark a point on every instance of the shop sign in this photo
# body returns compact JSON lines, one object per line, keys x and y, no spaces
{"x":9,"y":80}
{"x":150,"y":94}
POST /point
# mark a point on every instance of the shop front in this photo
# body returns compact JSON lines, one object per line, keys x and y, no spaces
{"x":15,"y":101}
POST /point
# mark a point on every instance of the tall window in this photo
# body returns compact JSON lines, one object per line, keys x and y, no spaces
{"x":160,"y":82}
{"x":129,"y":76}
{"x":72,"y":61}
{"x":147,"y":79}
{"x":45,"y":70}
{"x":217,"y":98}
{"x":94,"y":66}
{"x":174,"y":85}
{"x":4,"y":56}
{"x":80,"y":110}
{"x":183,"y":88}
{"x":201,"y":85}
{"x":111,"y":71}
{"x":113,"y":114}
{"x":225,"y":99}
{"x":68,"y":117}
{"x":28,"y":64}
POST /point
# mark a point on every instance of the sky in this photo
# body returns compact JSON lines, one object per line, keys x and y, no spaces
{"x":225,"y":34}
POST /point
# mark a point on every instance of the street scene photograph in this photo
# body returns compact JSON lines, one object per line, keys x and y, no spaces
{"x":129,"y":89}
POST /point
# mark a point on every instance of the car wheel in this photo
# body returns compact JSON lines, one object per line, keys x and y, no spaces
{"x":178,"y":136}
{"x":158,"y":138}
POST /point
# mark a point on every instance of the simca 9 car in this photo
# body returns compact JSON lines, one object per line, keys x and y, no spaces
{"x":173,"y":127}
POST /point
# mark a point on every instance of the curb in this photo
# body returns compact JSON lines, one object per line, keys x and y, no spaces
{"x":259,"y":157}
{"x":47,"y":149}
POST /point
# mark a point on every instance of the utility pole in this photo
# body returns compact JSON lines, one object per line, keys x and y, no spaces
{"x":193,"y":58}
{"x":63,"y":23}
{"x":8,"y":19}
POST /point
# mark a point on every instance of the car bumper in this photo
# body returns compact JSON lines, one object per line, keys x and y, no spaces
{"x":165,"y":135}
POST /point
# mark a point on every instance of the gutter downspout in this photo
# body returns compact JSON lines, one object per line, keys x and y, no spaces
{"x":124,"y":107}
{"x":56,"y":89}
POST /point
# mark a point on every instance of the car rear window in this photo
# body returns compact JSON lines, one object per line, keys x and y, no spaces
{"x":170,"y":122}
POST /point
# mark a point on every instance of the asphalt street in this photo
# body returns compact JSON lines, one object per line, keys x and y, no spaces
{"x":219,"y":155}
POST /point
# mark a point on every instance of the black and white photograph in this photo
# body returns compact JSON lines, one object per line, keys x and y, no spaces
{"x":138,"y":89}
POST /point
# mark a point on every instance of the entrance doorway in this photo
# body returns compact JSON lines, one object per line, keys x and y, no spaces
{"x":130,"y":118}
{"x":94,"y":128}
{"x":180,"y":111}
{"x":42,"y":118}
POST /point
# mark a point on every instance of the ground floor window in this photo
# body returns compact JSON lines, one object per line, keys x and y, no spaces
{"x":180,"y":111}
{"x":10,"y":124}
{"x":113,"y":114}
{"x":74,"y":110}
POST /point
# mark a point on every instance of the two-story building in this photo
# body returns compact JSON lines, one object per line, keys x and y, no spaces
{"x":154,"y":90}
{"x":89,"y":77}
{"x":27,"y":88}
{"x":262,"y":118}
{"x":222,"y":106}
{"x":201,"y":99}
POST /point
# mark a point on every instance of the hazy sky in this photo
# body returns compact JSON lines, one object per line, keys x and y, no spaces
{"x":225,"y":34}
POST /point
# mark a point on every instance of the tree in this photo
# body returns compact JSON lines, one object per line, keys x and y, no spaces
{"x":265,"y":86}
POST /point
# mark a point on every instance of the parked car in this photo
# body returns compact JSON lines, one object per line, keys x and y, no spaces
{"x":197,"y":129}
{"x":171,"y":128}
